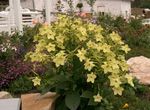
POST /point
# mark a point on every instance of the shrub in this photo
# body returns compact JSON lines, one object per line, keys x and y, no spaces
{"x":88,"y":65}
{"x":22,"y":84}
{"x":133,"y":33}
{"x":12,"y":51}
{"x":12,"y":69}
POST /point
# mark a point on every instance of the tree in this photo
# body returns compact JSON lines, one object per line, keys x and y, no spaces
{"x":91,"y":3}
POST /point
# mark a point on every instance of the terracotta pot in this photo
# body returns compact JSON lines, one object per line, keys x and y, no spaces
{"x":36,"y":101}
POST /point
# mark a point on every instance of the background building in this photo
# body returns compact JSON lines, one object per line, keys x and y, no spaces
{"x":112,"y":7}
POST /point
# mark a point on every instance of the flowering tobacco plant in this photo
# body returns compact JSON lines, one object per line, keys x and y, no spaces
{"x":86,"y":61}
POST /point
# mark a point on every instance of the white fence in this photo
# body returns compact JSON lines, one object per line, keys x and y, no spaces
{"x":7,"y":20}
{"x":14,"y":17}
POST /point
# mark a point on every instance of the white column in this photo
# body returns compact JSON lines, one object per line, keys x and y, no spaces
{"x":47,"y":10}
{"x":11,"y":4}
{"x":10,"y":15}
{"x":18,"y":15}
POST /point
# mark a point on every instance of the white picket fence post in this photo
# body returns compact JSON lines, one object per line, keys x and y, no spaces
{"x":47,"y":10}
{"x":18,"y":15}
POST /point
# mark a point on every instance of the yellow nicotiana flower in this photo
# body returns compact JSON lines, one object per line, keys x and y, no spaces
{"x":106,"y":67}
{"x":91,"y":77}
{"x":40,"y":57}
{"x":99,"y":46}
{"x":111,"y":55}
{"x":118,"y":91}
{"x":59,"y":59}
{"x":124,"y":66}
{"x":82,"y":38}
{"x":125,"y":106}
{"x":78,"y":22}
{"x":99,"y":29}
{"x":129,"y":79}
{"x":83,"y":31}
{"x":116,"y":38}
{"x":98,"y":37}
{"x":115,"y":81}
{"x":43,"y":30}
{"x":91,"y":44}
{"x":106,"y":48}
{"x":82,"y":35}
{"x":88,"y":64}
{"x":97,"y":98}
{"x":50,"y":47}
{"x":36,"y":81}
{"x":113,"y":63}
{"x":40,"y":46}
{"x":47,"y":31}
{"x":60,"y":39}
{"x":51,"y":36}
{"x":91,"y":27}
{"x":125,"y":48}
{"x":81,"y":54}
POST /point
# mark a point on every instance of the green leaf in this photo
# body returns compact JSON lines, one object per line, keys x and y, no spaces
{"x":100,"y":108}
{"x":87,"y":94}
{"x":72,"y":100}
{"x":91,"y":102}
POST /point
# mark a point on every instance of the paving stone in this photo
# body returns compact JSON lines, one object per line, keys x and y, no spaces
{"x":10,"y":104}
{"x":5,"y":95}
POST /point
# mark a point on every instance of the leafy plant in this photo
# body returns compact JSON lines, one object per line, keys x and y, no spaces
{"x":12,"y":69}
{"x":88,"y":66}
{"x":12,"y":51}
{"x":21,"y":85}
{"x":133,"y":33}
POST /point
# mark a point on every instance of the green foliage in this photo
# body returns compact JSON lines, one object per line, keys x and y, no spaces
{"x":79,"y":5}
{"x":12,"y":51}
{"x":133,"y":33}
{"x":72,"y":100}
{"x":25,"y":40}
{"x":21,"y":85}
{"x":141,"y":3}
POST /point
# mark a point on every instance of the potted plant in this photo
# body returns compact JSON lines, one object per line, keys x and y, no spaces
{"x":86,"y":65}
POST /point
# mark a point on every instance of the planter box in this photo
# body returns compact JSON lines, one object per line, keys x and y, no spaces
{"x":36,"y":101}
{"x":10,"y":104}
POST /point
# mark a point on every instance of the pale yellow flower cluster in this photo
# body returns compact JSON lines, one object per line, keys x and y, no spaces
{"x":88,"y":65}
{"x":81,"y":54}
{"x":59,"y":59}
{"x":70,"y":38}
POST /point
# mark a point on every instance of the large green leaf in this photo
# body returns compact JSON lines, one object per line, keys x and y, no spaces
{"x":72,"y":100}
{"x":87,"y":94}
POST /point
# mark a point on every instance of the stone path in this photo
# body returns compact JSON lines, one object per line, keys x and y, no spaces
{"x":10,"y":104}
